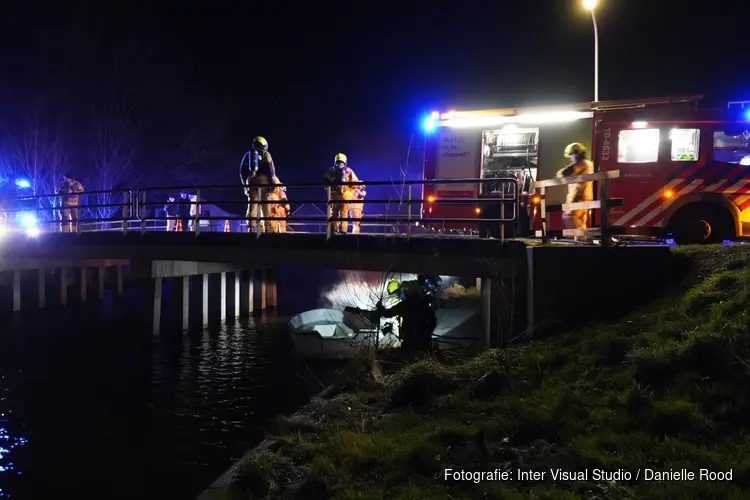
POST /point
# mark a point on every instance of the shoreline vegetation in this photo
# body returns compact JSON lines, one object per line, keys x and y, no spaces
{"x":663,"y":389}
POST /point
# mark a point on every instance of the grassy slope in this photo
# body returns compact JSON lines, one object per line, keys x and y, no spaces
{"x":666,"y":387}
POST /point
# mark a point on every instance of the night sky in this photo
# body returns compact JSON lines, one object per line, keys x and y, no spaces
{"x":356,"y":77}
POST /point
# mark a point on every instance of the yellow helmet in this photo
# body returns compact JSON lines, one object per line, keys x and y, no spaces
{"x":575,"y":148}
{"x":262,"y":141}
{"x":341,"y":157}
{"x":393,"y":286}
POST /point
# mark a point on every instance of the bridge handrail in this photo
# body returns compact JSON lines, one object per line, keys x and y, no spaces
{"x":395,"y":182}
{"x":55,"y":209}
{"x":409,"y":220}
{"x":605,"y":203}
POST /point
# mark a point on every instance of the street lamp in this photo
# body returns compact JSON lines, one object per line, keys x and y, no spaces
{"x":591,"y":5}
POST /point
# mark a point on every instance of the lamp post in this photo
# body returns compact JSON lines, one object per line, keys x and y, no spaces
{"x":591,"y":6}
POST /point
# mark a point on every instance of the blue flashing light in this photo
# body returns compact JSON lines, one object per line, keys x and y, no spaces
{"x":747,"y":115}
{"x":23,"y":183}
{"x":430,"y":123}
{"x":28,"y":220}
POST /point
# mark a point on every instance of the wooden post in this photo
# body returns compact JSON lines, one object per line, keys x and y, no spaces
{"x":604,"y":208}
{"x":543,"y":213}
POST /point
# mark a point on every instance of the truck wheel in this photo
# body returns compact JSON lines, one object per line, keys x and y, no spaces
{"x":701,"y":223}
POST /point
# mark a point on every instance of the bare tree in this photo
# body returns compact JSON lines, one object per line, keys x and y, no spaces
{"x":35,"y":149}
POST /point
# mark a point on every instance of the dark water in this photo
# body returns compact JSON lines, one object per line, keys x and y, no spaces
{"x":91,"y":408}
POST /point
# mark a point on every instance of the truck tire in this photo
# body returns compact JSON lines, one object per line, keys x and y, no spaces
{"x":702,"y":224}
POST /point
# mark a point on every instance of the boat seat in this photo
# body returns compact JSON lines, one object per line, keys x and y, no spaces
{"x":325,"y":330}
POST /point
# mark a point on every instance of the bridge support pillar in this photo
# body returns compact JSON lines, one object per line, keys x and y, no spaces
{"x":198,"y":299}
{"x":232,"y":292}
{"x":152,"y":304}
{"x":84,"y":276}
{"x":180,"y":303}
{"x":246,"y":295}
{"x":16,"y":291}
{"x":269,"y":285}
{"x":101,"y":276}
{"x":216,"y":298}
{"x":259,"y":274}
{"x":41,"y":287}
{"x":493,"y":308}
{"x":64,"y":287}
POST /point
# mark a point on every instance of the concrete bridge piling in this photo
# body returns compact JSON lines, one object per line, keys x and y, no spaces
{"x":175,"y":295}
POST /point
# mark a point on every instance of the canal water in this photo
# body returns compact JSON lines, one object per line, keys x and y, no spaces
{"x":92,"y":408}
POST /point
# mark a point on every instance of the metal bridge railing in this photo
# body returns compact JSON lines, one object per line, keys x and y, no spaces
{"x":137,"y":210}
{"x":95,"y":210}
{"x":331,"y":199}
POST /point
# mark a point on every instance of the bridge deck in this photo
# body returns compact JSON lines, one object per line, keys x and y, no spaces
{"x":418,"y":254}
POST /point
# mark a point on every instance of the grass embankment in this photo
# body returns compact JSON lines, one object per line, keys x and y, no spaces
{"x":664,"y":388}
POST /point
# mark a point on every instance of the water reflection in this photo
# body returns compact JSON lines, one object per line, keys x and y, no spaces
{"x":109,"y":414}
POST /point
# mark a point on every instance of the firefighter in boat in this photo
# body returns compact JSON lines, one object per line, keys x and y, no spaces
{"x":279,"y":209}
{"x":340,"y":173}
{"x":582,"y":191}
{"x":256,"y":169}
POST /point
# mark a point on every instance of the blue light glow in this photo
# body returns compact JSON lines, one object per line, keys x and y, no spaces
{"x":429,"y":125}
{"x":747,"y":115}
{"x":23,"y":183}
{"x":28,"y":220}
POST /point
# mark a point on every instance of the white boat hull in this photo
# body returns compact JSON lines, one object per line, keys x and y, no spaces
{"x":333,"y":334}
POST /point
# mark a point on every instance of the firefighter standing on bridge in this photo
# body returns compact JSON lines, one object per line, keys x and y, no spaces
{"x":256,"y":169}
{"x":340,"y":173}
{"x":70,"y":214}
{"x":279,"y":209}
{"x":582,"y":191}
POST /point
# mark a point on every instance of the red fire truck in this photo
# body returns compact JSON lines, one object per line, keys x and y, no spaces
{"x":683,"y":170}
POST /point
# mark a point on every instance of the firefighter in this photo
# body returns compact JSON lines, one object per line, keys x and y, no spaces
{"x":357,"y":209}
{"x":71,"y":210}
{"x":280,"y":209}
{"x":582,"y":191}
{"x":417,"y":315}
{"x":336,"y":175}
{"x":256,"y":168}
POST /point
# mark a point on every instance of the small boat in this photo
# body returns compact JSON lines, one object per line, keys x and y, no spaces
{"x":335,"y":334}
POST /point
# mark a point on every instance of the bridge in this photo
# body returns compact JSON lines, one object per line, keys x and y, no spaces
{"x":216,"y":269}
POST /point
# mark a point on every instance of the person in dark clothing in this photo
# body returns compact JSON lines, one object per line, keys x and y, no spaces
{"x":256,"y":169}
{"x":417,"y":316}
{"x":172,"y":211}
{"x":183,"y":211}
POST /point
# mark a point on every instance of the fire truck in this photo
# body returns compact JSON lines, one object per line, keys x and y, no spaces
{"x":683,"y":169}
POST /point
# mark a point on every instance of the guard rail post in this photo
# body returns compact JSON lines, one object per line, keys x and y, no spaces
{"x":606,"y":239}
{"x":196,"y":220}
{"x":329,"y":213}
{"x":141,"y":205}
{"x":408,"y":210}
{"x":260,"y":210}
